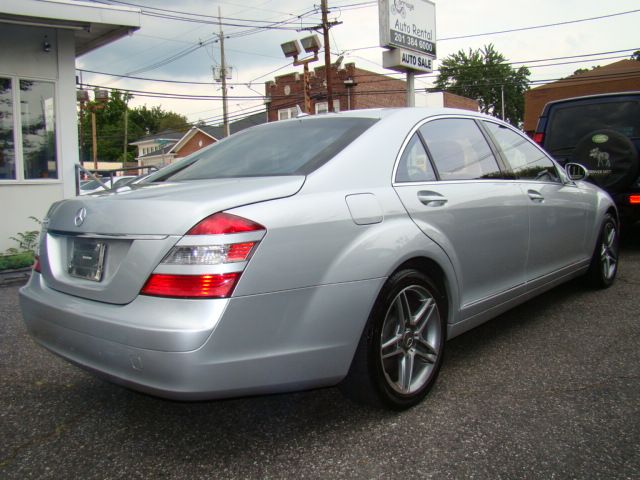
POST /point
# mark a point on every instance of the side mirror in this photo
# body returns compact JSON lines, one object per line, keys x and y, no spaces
{"x":576,"y":171}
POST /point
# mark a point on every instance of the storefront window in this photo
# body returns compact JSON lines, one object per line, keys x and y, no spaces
{"x":7,"y":145}
{"x":37,"y":112}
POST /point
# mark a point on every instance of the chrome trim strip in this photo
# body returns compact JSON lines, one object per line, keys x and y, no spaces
{"x":171,"y":269}
{"x":101,"y":236}
{"x":225,"y":239}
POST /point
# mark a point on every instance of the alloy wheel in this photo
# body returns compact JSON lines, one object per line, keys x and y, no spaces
{"x":410,"y":340}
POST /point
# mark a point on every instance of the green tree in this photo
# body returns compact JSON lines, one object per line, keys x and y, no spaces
{"x":110,"y":123}
{"x":584,"y":70}
{"x":636,"y":55}
{"x":484,"y":75}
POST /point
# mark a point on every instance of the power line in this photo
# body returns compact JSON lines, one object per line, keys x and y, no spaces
{"x":486,"y":82}
{"x":567,"y":22}
{"x":390,"y":75}
{"x":533,"y":27}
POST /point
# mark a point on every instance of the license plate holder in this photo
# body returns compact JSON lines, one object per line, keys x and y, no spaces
{"x":86,"y":259}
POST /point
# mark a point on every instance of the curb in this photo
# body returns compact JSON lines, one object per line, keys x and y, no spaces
{"x":15,"y":277}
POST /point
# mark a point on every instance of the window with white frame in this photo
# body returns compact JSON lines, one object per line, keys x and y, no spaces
{"x":323,"y":107}
{"x":27,"y":129}
{"x":287,"y":113}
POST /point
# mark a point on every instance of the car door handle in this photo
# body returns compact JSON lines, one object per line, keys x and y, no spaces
{"x":535,"y":196}
{"x":431,"y":199}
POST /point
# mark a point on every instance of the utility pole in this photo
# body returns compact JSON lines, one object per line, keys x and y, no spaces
{"x":326,"y":25}
{"x":223,"y":76}
{"x":327,"y":54}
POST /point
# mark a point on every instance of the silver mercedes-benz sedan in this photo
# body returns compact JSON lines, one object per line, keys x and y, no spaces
{"x":337,"y":249}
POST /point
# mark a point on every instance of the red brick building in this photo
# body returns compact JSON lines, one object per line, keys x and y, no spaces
{"x":353,"y":89}
{"x":622,"y":76}
{"x":167,"y":147}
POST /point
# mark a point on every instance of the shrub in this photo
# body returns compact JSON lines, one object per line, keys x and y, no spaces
{"x":18,"y":260}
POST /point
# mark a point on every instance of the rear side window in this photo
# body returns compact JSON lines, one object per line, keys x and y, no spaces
{"x":295,"y":147}
{"x":569,"y":123}
{"x":414,"y":165}
{"x":459,"y":150}
{"x":526,"y":161}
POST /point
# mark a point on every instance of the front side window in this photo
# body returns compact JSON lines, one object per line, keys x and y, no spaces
{"x":7,"y":145}
{"x":414,"y":164}
{"x":38,"y":120}
{"x":526,"y":161}
{"x":459,"y":150}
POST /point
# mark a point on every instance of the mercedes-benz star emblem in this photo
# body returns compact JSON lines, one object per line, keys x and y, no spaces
{"x":80,"y":216}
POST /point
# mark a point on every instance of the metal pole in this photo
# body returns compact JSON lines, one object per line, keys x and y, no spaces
{"x":327,"y":54}
{"x":223,"y":74}
{"x":502,"y":99}
{"x":81,"y":142}
{"x":411,"y":94}
{"x":307,"y":97}
{"x":94,"y":139}
{"x":126,"y":122}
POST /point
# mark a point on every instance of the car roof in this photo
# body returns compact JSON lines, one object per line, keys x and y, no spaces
{"x":405,"y":114}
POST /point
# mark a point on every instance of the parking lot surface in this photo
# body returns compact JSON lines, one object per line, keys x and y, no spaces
{"x":550,"y":389}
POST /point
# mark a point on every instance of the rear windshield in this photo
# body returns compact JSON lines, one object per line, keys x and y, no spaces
{"x":295,"y":147}
{"x":568,"y":124}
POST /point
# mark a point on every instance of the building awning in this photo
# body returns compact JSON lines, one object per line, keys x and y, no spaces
{"x":93,"y":25}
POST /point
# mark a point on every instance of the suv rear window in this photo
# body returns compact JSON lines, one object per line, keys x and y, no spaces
{"x":295,"y":147}
{"x":568,"y":124}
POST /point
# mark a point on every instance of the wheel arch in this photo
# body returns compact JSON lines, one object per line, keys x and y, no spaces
{"x":438,"y":275}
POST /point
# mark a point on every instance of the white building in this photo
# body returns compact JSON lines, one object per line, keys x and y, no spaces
{"x":39,"y":42}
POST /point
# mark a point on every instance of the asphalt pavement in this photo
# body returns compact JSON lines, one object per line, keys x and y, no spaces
{"x":548,"y":390}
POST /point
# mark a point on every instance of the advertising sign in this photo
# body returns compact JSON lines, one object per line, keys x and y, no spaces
{"x":401,"y":59}
{"x":408,"y":24}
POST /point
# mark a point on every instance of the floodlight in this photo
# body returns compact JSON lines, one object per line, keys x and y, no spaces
{"x":291,"y":49}
{"x":311,"y":44}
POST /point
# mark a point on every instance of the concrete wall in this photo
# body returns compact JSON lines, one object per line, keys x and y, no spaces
{"x":445,"y":99}
{"x":26,"y":59}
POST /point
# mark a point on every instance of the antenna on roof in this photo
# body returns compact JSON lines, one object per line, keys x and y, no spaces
{"x":300,"y":113}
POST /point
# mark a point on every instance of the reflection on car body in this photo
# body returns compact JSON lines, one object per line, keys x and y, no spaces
{"x":343,"y":249}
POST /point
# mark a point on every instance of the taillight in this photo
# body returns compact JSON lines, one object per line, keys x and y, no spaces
{"x":191,"y":286}
{"x":538,"y":137}
{"x":36,"y":265}
{"x":634,"y":199}
{"x":208,"y":261}
{"x":224,"y":223}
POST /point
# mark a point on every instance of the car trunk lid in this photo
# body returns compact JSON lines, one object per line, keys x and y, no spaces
{"x":104,"y":247}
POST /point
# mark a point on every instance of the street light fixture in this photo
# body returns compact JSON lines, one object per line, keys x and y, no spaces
{"x":310,"y":44}
{"x":291,"y":49}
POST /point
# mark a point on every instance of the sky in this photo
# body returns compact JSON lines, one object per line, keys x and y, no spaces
{"x":256,"y":57}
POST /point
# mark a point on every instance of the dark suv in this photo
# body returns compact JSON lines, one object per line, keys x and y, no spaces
{"x":601,"y":132}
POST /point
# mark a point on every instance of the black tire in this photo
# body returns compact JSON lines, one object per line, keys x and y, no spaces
{"x":418,"y":349}
{"x":604,"y":262}
{"x":610,"y":157}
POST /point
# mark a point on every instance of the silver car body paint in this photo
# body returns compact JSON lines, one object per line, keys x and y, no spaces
{"x":332,"y":239}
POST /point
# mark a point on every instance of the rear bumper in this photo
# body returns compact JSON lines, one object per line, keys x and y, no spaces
{"x":256,"y":344}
